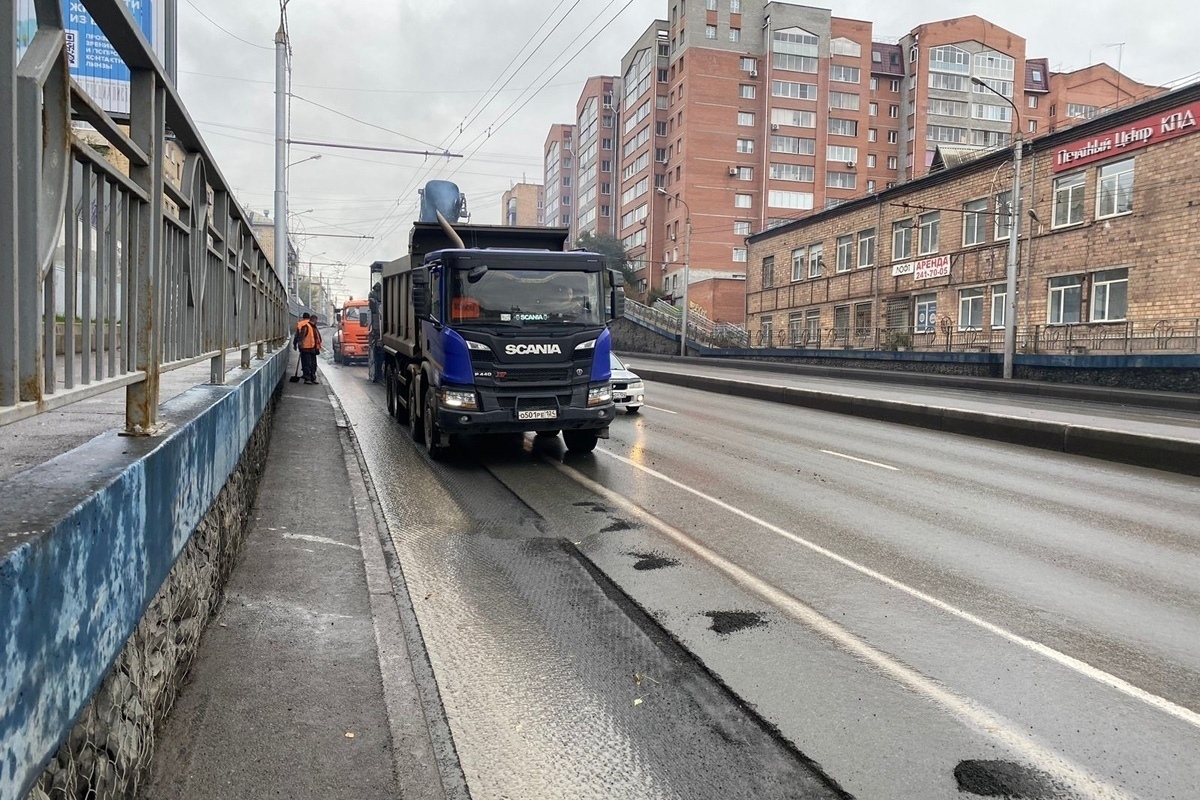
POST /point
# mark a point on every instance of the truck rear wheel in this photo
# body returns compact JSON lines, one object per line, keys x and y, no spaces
{"x":580,"y":441}
{"x":414,"y":419}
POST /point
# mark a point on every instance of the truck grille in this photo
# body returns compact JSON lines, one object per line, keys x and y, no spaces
{"x":557,"y":375}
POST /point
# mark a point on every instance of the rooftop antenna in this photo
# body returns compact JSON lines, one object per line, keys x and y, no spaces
{"x":1120,"y":52}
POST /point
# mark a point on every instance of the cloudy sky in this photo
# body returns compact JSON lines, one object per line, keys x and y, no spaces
{"x":415,"y":75}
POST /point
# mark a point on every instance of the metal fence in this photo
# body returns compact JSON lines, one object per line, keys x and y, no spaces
{"x":110,"y":272}
{"x":701,"y":331}
{"x":1109,"y":338}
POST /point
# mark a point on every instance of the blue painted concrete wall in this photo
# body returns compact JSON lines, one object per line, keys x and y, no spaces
{"x":87,"y":539}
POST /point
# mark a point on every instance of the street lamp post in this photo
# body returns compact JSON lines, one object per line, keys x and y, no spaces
{"x":1014,"y":234}
{"x":687,"y":264}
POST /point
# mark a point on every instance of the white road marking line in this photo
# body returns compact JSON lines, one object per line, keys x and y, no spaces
{"x":860,"y":460}
{"x":965,"y":710}
{"x":665,"y":411}
{"x":318,"y":540}
{"x":1070,"y":662}
{"x":322,"y":400}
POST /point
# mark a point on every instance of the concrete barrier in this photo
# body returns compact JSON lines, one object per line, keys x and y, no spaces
{"x":87,"y":543}
{"x":1159,"y":452}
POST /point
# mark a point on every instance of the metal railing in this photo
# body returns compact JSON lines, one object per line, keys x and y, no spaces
{"x":701,"y":331}
{"x":1107,"y":338}
{"x":110,"y":273}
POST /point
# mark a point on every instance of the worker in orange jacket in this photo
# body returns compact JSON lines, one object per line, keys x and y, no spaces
{"x":308,"y":341}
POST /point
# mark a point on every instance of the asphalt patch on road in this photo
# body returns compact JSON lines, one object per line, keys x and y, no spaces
{"x":594,"y":507}
{"x":1003,"y":779}
{"x":648,"y":561}
{"x":617,"y":525}
{"x":726,"y":622}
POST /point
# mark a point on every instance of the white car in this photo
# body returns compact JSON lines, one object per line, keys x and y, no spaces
{"x":628,"y":390}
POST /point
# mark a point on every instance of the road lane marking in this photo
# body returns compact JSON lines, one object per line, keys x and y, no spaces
{"x":665,"y":411}
{"x":966,"y":711}
{"x":304,"y":537}
{"x":1162,"y":704}
{"x":861,"y":460}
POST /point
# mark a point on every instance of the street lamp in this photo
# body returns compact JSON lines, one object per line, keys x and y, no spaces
{"x":687,"y":259}
{"x":301,"y":161}
{"x":1014,"y":234}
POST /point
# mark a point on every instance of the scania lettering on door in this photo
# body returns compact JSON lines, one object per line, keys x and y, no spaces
{"x":532,"y":349}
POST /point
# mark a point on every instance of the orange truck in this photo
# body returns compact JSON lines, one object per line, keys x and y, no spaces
{"x":350,"y":338}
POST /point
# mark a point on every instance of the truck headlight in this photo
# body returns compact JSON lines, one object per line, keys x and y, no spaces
{"x":599,"y":395}
{"x":455,"y":399}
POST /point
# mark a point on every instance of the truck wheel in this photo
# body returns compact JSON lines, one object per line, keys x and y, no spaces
{"x":414,"y":419}
{"x":580,"y":441}
{"x":336,"y":358}
{"x":436,"y":451}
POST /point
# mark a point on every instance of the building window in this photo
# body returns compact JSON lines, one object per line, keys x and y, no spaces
{"x":735,"y":34}
{"x":870,"y":161}
{"x":1003,"y":215}
{"x":841,"y":322}
{"x":768,"y":271}
{"x":796,"y":328}
{"x":742,"y":201}
{"x":894,"y":111}
{"x":1110,"y":295}
{"x":975,"y":222}
{"x":1115,"y":195}
{"x":792,"y":172}
{"x":767,"y":334}
{"x":1068,"y":200}
{"x":710,"y":5}
{"x":793,"y":117}
{"x":812,"y":325}
{"x":928,"y":224}
{"x":893,"y":137}
{"x":844,"y":74}
{"x":1079,"y":111}
{"x":606,"y":144}
{"x":970,"y":309}
{"x":843,"y":153}
{"x":739,"y":254}
{"x":746,"y":91}
{"x":999,"y":304}
{"x":870,"y":186}
{"x":893,"y":162}
{"x":745,"y":119}
{"x":1033,"y":98}
{"x":845,"y":253}
{"x":745,"y":173}
{"x":925,"y":306}
{"x":901,"y":239}
{"x":843,"y":127}
{"x":794,"y":90}
{"x":710,"y":31}
{"x":816,"y":260}
{"x":604,"y":211}
{"x":866,"y":247}
{"x":872,"y":135}
{"x":862,"y":320}
{"x":896,"y":83}
{"x":798,"y":261}
{"x":745,"y":145}
{"x":801,"y":201}
{"x":844,"y":100}
{"x":949,"y":58}
{"x":606,"y":188}
{"x":841,"y":180}
{"x":1033,"y":126}
{"x":1066,"y":299}
{"x":748,"y":64}
{"x":793,"y":144}
{"x":741,"y":228}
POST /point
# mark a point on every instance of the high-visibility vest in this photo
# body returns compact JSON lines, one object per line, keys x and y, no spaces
{"x":310,"y":337}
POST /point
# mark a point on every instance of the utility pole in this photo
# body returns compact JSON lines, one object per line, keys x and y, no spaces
{"x":1014,"y":235}
{"x":687,"y":264}
{"x":281,"y":47}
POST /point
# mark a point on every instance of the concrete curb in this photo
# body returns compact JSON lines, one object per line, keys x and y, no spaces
{"x":1174,"y":401}
{"x":1158,"y":452}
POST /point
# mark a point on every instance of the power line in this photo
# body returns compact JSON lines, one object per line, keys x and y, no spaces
{"x":358,"y":89}
{"x":226,"y":31}
{"x":295,"y":96}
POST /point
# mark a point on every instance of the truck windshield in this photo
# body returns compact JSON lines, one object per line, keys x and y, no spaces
{"x":524,"y":297}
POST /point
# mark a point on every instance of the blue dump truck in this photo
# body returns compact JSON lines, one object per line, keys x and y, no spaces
{"x":493,"y":329}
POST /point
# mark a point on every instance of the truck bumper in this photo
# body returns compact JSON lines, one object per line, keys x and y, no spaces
{"x":504,"y":421}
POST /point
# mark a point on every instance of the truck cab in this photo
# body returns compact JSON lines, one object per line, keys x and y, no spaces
{"x":350,"y":337}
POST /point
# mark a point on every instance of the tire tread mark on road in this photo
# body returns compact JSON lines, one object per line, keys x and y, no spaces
{"x":674,"y":650}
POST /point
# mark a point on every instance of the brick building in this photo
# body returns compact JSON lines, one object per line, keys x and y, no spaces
{"x":559,"y":155}
{"x":524,"y":205}
{"x":595,"y":126}
{"x":1107,"y":252}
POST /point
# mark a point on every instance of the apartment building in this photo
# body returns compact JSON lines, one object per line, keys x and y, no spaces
{"x":595,"y":132}
{"x":1082,"y":94}
{"x":559,"y":155}
{"x":523,"y":205}
{"x":1106,"y":249}
{"x":640,"y":161}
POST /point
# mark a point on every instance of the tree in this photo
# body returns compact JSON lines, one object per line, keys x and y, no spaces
{"x":608,"y":245}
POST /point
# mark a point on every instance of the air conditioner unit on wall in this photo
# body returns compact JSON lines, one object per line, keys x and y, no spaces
{"x":774,"y":126}
{"x":733,"y":171}
{"x":849,"y":165}
{"x":753,"y":73}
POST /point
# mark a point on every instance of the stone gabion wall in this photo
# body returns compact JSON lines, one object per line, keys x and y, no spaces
{"x":108,"y":752}
{"x":629,"y":337}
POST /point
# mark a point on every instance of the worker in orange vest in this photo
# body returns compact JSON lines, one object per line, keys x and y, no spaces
{"x":308,"y":341}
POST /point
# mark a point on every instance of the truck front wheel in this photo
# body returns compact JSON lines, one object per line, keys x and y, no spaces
{"x":580,"y":441}
{"x":432,"y":435}
{"x":414,"y":419}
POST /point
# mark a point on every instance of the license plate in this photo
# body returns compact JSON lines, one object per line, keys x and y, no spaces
{"x":547,"y":414}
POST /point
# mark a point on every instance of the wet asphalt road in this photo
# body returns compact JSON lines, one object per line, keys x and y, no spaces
{"x":917,"y":614}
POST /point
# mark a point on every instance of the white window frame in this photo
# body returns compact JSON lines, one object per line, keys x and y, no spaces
{"x":799,"y":260}
{"x":1065,"y":188}
{"x":999,"y":305}
{"x":1102,"y":282}
{"x":845,"y":253}
{"x":866,"y":247}
{"x":902,"y":231}
{"x":816,"y":259}
{"x":970,"y":304}
{"x":975,"y":222}
{"x":1055,"y":306}
{"x":1111,"y":175}
{"x":928,"y":224}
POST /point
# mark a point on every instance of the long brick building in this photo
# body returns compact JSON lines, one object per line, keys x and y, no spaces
{"x":1108,"y":250}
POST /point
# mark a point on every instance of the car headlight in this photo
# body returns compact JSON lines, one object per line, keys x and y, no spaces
{"x":455,"y":399}
{"x":600,"y":395}
{"x":637,"y":386}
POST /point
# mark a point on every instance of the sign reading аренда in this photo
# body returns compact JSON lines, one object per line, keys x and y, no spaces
{"x":923,"y":270}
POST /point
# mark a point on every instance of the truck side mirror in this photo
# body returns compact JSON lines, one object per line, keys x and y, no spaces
{"x":617,"y":303}
{"x":420,"y":293}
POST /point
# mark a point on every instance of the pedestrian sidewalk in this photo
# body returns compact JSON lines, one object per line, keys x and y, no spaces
{"x":286,"y":697}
